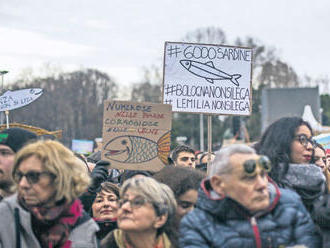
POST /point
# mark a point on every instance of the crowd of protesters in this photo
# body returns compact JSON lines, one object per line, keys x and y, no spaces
{"x":273,"y":193}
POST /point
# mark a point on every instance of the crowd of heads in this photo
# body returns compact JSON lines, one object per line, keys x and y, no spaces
{"x":131,"y":204}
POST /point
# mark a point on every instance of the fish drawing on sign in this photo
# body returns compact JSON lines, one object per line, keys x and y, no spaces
{"x":18,"y":98}
{"x":136,"y":149}
{"x":208,"y":71}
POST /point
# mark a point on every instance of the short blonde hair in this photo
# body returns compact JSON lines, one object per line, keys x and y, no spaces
{"x":158,"y":194}
{"x":71,"y":176}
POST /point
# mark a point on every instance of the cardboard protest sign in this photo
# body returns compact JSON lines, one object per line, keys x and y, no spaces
{"x":212,"y":79}
{"x":136,"y":136}
{"x":15,"y":99}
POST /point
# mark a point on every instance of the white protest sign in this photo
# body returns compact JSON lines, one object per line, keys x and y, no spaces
{"x":212,"y":79}
{"x":15,"y":99}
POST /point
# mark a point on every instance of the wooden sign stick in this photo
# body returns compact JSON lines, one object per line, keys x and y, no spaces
{"x":209,"y":140}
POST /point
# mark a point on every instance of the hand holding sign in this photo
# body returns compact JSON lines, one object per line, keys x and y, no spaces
{"x":99,"y":175}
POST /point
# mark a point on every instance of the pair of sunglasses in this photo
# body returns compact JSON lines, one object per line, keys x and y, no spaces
{"x":32,"y":177}
{"x":250,"y":165}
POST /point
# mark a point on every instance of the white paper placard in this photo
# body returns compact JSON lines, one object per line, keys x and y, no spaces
{"x":19,"y":98}
{"x":203,"y":78}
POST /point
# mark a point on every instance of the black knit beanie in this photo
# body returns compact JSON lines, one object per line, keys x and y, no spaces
{"x":15,"y":138}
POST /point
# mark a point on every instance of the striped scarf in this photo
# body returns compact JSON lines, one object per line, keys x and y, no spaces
{"x":52,"y":226}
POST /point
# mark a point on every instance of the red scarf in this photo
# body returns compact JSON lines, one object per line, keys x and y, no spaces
{"x":52,"y":226}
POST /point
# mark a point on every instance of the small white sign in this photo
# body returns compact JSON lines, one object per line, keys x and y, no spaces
{"x":82,"y":146}
{"x":16,"y":99}
{"x":212,"y":79}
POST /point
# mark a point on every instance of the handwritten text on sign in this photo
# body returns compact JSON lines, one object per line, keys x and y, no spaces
{"x":207,"y":78}
{"x":136,"y":136}
{"x":16,"y":99}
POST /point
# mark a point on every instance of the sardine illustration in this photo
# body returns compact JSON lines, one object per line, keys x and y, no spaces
{"x":208,"y":71}
{"x":18,"y":98}
{"x":136,"y":149}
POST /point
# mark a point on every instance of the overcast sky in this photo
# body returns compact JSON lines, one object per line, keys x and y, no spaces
{"x":120,"y":37}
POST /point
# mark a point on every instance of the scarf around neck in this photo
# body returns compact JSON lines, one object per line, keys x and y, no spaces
{"x":307,"y":180}
{"x":106,"y":226}
{"x":52,"y":225}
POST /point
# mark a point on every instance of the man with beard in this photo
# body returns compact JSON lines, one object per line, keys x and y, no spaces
{"x":11,"y":140}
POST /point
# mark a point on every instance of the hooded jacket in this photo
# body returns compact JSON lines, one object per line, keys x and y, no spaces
{"x":16,"y":231}
{"x":224,"y":223}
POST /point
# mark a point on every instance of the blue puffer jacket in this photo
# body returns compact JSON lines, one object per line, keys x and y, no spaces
{"x":226,"y":224}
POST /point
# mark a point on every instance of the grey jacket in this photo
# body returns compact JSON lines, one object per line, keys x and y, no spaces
{"x":82,"y":236}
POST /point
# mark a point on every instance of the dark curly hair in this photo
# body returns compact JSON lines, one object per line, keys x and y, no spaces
{"x":182,"y":148}
{"x":276,"y":143}
{"x":180,"y":179}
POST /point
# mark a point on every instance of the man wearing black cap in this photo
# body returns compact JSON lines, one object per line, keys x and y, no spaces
{"x":11,"y":140}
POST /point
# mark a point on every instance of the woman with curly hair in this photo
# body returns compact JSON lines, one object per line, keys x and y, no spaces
{"x":46,"y":212}
{"x":289,"y":145}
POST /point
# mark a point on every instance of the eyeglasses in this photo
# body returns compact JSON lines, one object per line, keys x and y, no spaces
{"x":250,"y":165}
{"x":302,"y":138}
{"x":32,"y":177}
{"x":136,"y":202}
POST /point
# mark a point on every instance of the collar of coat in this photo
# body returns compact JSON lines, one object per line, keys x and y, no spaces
{"x":226,"y":208}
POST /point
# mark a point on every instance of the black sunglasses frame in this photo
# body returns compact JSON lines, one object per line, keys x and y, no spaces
{"x":303,"y":140}
{"x":250,"y":165}
{"x":32,"y":177}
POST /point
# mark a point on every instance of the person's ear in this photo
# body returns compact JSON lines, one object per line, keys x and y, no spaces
{"x":218,"y":184}
{"x":160,"y":220}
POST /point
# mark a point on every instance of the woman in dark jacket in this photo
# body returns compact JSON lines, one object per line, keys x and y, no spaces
{"x":288,"y":144}
{"x":104,"y":208}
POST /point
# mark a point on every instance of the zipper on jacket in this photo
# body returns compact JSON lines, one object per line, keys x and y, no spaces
{"x":269,"y":242}
{"x":255,"y":228}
